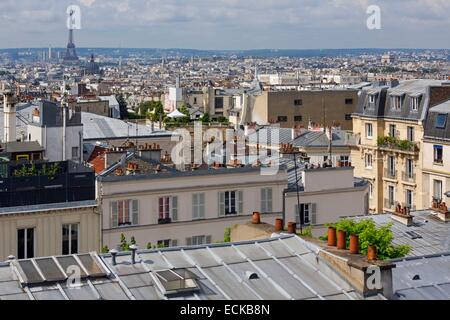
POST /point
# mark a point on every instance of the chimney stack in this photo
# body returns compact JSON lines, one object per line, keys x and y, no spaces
{"x":256,"y":218}
{"x":9,"y":110}
{"x":113,"y":253}
{"x":133,"y":249}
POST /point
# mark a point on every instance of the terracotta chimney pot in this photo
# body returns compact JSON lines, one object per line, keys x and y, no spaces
{"x":332,"y":237}
{"x":278,"y":225}
{"x":292,"y":228}
{"x":256,"y":218}
{"x":342,"y":240}
{"x":354,"y":244}
{"x":372,"y":253}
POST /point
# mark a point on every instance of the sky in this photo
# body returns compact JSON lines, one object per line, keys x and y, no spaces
{"x":227,"y":24}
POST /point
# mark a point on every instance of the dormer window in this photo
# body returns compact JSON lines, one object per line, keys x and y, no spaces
{"x":396,"y":102}
{"x":372,"y":99}
{"x":441,"y":121}
{"x":414,"y":103}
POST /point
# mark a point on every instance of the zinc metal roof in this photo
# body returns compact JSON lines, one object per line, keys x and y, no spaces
{"x":284,"y":267}
{"x":434,"y":234}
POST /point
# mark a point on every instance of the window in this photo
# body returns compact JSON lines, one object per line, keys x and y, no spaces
{"x":410,"y":133}
{"x":345,"y":161}
{"x":392,"y":130}
{"x":167,"y":243}
{"x":372,"y":99}
{"x":369,"y":130}
{"x":198,"y":206}
{"x":409,"y":198}
{"x":168,"y":209}
{"x":369,"y":161}
{"x":125,"y":213}
{"x":195,"y":100}
{"x":308,"y":212}
{"x":70,"y":239}
{"x":414,"y":103}
{"x":218,"y":103}
{"x":371,"y":190}
{"x":438,"y":154}
{"x":298,"y":102}
{"x":198,"y":240}
{"x":282,"y":118}
{"x":348,"y":101}
{"x":230,"y":202}
{"x":298,"y":118}
{"x":396,"y":102}
{"x":441,"y":121}
{"x":348,"y":117}
{"x":391,"y":195}
{"x":409,"y":168}
{"x":25,"y":243}
{"x":391,"y":166}
{"x":437,"y":189}
{"x":75,"y":152}
{"x":266,"y":200}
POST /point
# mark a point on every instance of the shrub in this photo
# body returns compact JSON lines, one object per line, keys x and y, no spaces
{"x":370,"y":234}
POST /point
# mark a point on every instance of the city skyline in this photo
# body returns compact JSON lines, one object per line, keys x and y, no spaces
{"x":297,"y":25}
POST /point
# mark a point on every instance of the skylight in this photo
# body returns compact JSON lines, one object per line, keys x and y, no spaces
{"x":441,"y":121}
{"x":176,"y":281}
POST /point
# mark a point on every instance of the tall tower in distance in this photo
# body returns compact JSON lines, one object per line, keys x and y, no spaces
{"x":71,"y":53}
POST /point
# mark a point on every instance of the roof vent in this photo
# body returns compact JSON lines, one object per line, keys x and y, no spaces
{"x":251,"y":275}
{"x":416,"y":277}
{"x":176,"y":281}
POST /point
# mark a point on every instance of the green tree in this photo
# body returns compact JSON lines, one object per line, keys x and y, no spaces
{"x":205,"y":118}
{"x":227,"y":235}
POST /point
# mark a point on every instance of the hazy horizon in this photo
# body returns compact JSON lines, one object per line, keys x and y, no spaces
{"x":227,"y":25}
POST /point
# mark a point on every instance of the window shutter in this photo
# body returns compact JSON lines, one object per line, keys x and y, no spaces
{"x":202,"y":205}
{"x":174,"y":208}
{"x":269,"y":200}
{"x":208,"y":239}
{"x":114,"y":214}
{"x":297,"y":215}
{"x":135,"y":212}
{"x":263,"y":200}
{"x":194,"y":206}
{"x":240,"y":201}
{"x":313,"y":214}
{"x":174,"y":243}
{"x":221,"y":204}
{"x":188,"y":241}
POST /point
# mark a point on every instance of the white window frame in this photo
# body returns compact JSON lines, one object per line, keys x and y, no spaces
{"x":372,"y":99}
{"x":409,"y":193}
{"x":439,"y":183}
{"x":396,"y":102}
{"x":70,"y":225}
{"x":391,"y":201}
{"x":133,"y":207}
{"x":371,"y":190}
{"x":198,"y":240}
{"x":369,"y":130}
{"x":410,"y":133}
{"x":238,"y":202}
{"x":310,"y":214}
{"x":369,"y":164}
{"x":26,"y":256}
{"x":414,"y":103}
{"x":409,"y":168}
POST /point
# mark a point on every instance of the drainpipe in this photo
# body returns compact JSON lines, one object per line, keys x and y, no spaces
{"x":285,"y":191}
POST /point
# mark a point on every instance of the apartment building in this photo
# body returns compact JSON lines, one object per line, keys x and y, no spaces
{"x":390,"y":120}
{"x":299,"y":108}
{"x":436,"y":155}
{"x":49,"y":229}
{"x":159,"y":205}
{"x":325,"y":196}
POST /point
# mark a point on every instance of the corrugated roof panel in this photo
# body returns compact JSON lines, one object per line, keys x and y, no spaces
{"x":145,"y":293}
{"x":285,"y":280}
{"x":262,"y":286}
{"x":16,"y":297}
{"x":277,"y":249}
{"x":311,"y":277}
{"x":48,"y":295}
{"x":137,"y":280}
{"x":84,"y":292}
{"x":111,"y":291}
{"x":177,"y":259}
{"x":154,"y":261}
{"x":202,"y":258}
{"x":10,"y":287}
{"x":228,"y":254}
{"x":252,"y":252}
{"x":230,"y":284}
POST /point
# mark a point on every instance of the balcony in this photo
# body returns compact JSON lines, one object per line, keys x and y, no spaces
{"x":409,"y":177}
{"x":390,"y":173}
{"x":164,"y":221}
{"x":395,"y":144}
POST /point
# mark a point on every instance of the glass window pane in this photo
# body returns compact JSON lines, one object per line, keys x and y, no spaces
{"x":65,"y":240}
{"x":74,"y":239}
{"x":30,"y":243}
{"x":21,"y":244}
{"x":50,"y":269}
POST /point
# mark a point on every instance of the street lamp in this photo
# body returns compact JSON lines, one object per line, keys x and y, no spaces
{"x":289,"y":149}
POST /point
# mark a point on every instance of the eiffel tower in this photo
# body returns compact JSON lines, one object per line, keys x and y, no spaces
{"x":71,"y":53}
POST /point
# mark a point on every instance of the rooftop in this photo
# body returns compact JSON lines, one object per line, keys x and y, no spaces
{"x":282,"y":268}
{"x":427,"y":236}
